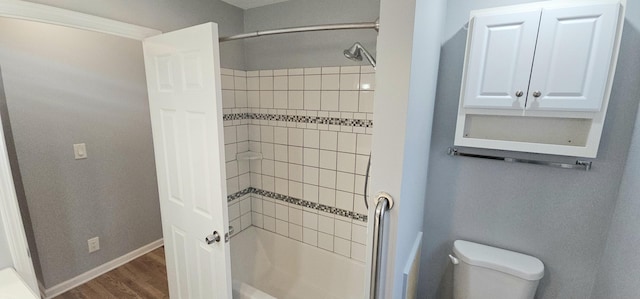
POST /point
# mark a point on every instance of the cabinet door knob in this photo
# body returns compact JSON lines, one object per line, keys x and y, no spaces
{"x":537,"y":94}
{"x":519,"y":93}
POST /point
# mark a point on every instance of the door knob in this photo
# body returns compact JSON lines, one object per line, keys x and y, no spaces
{"x":519,"y":93}
{"x":213,"y":238}
{"x":537,"y":94}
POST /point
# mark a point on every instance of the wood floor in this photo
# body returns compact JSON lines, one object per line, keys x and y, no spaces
{"x":144,"y":277}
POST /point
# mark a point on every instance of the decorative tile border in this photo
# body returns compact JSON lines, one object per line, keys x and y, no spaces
{"x":352,"y":122}
{"x":299,"y":202}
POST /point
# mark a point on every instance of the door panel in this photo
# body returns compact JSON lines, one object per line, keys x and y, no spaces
{"x":183,"y":78}
{"x":573,"y":57}
{"x":500,"y":57}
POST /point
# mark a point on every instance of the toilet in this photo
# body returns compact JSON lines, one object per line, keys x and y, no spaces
{"x":485,"y":272}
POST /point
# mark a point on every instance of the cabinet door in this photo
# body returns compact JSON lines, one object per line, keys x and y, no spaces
{"x":573,"y":57}
{"x":500,"y":57}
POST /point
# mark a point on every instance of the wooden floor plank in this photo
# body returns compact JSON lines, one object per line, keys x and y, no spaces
{"x":144,"y":277}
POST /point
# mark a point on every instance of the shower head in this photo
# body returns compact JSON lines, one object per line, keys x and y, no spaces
{"x":356,"y":52}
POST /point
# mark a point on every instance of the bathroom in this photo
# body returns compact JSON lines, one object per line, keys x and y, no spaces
{"x":581,"y":225}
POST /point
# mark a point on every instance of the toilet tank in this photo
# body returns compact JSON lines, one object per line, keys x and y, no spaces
{"x":485,"y":272}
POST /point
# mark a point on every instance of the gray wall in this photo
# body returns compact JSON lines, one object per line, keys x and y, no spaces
{"x":169,"y":15}
{"x":66,"y":86}
{"x":560,"y":216}
{"x":307,"y":49}
{"x":619,"y":274}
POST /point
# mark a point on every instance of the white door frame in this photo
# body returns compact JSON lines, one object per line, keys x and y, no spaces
{"x":11,"y":219}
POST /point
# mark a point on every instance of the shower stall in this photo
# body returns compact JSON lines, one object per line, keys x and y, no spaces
{"x":297,"y":148}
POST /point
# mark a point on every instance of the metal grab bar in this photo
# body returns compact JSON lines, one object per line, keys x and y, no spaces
{"x":579,"y":164}
{"x":384,"y":204}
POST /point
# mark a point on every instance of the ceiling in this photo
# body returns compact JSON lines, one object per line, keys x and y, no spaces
{"x":246,"y":4}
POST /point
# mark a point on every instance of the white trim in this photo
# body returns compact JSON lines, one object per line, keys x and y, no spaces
{"x":12,"y":220}
{"x":102,"y":269}
{"x":47,"y":14}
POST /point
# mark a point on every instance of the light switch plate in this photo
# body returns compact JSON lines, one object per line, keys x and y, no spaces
{"x":80,"y":151}
{"x":94,"y":244}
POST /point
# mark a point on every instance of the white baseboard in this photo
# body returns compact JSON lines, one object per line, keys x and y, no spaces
{"x":102,"y":269}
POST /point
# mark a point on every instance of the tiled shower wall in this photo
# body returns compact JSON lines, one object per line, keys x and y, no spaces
{"x":313,"y":129}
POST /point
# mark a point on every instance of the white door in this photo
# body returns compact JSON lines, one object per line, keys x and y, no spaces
{"x":500,"y":55}
{"x":183,"y":78}
{"x":573,"y":57}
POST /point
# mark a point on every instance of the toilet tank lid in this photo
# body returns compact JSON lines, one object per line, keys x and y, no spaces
{"x":514,"y":263}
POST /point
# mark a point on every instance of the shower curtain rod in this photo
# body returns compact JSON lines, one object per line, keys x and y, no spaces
{"x":366,"y":25}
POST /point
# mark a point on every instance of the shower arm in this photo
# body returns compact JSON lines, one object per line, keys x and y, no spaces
{"x":344,"y":26}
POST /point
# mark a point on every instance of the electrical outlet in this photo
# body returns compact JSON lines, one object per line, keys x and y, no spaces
{"x":94,"y":244}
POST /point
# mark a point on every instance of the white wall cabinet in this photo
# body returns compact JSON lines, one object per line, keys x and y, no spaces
{"x":538,"y":76}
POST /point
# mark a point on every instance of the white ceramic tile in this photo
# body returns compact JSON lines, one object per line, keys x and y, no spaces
{"x":266,"y":73}
{"x":254,"y":132}
{"x":240,"y":83}
{"x":295,"y":172}
{"x":253,"y":73}
{"x":267,"y":151}
{"x":310,"y":220}
{"x":268,"y":166}
{"x":280,"y":83}
{"x":242,"y":133}
{"x":282,"y":212}
{"x":280,"y":153}
{"x":282,"y":228}
{"x":359,"y":184}
{"x":268,"y":208}
{"x":295,"y":137}
{"x":228,"y":99}
{"x":349,"y":81}
{"x":327,"y":196}
{"x":311,"y":157}
{"x":296,"y":71}
{"x":295,"y":216}
{"x":310,"y":193}
{"x":240,"y":73}
{"x":325,"y":241}
{"x":227,"y":82}
{"x":230,"y":152}
{"x":266,"y":99}
{"x":328,"y":140}
{"x":268,"y":183}
{"x":347,"y":142}
{"x":230,"y":134}
{"x":280,"y":99}
{"x":350,"y":69}
{"x":256,"y":180}
{"x":364,"y":144}
{"x":234,"y":211}
{"x":253,"y":98}
{"x":367,"y":69}
{"x":331,"y":82}
{"x":245,"y":221}
{"x":365,"y":101}
{"x":253,"y":83}
{"x":280,"y":135}
{"x":295,"y":232}
{"x":232,"y":185}
{"x":327,"y":178}
{"x":295,"y":154}
{"x":325,"y":224}
{"x":311,"y":138}
{"x":367,"y":82}
{"x":226,"y":71}
{"x":345,"y":181}
{"x":331,"y":70}
{"x":310,"y":175}
{"x":328,"y":159}
{"x":342,"y":246}
{"x":343,"y":229}
{"x":281,"y":170}
{"x":232,"y":168}
{"x":329,"y":100}
{"x":358,"y":252}
{"x":269,"y":223}
{"x":296,"y":82}
{"x":245,"y":206}
{"x":349,"y":101}
{"x":346,"y":162}
{"x":312,"y":71}
{"x":296,"y":189}
{"x":244,"y":181}
{"x":359,"y":233}
{"x":312,"y":100}
{"x":241,"y":98}
{"x":257,"y":220}
{"x":310,"y":236}
{"x":256,"y":204}
{"x":281,"y":72}
{"x":312,"y":82}
{"x":295,"y":99}
{"x":344,"y":200}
